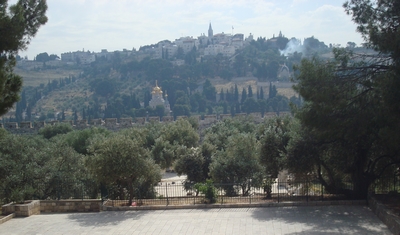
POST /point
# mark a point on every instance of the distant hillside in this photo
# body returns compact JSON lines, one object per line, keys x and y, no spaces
{"x":255,"y":79}
{"x":37,"y":77}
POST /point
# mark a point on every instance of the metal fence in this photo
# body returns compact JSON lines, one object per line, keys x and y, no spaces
{"x":67,"y":189}
{"x":55,"y":189}
{"x":175,"y":193}
{"x":169,"y":193}
{"x":386,"y":185}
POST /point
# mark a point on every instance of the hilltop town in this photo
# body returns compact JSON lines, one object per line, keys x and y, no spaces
{"x":207,"y":45}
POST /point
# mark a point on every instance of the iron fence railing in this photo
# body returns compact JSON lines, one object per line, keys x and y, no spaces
{"x":55,"y":190}
{"x":386,"y":185}
{"x":177,"y":193}
{"x":169,"y":193}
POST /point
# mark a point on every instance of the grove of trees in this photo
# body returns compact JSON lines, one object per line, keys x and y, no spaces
{"x":128,"y":163}
{"x":344,"y":134}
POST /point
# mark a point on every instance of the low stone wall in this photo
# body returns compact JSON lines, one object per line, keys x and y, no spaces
{"x":22,"y":210}
{"x":391,"y":220}
{"x":108,"y":205}
{"x":7,"y":218}
{"x":113,"y":125}
{"x":50,"y":206}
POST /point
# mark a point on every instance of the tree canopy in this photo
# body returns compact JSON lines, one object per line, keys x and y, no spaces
{"x":122,"y":160}
{"x":19,"y":24}
{"x":350,"y":115}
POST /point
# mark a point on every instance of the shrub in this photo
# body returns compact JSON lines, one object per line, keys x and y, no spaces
{"x":208,"y":190}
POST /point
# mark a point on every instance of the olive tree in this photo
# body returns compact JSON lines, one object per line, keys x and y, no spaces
{"x":122,"y":160}
{"x":237,"y":164}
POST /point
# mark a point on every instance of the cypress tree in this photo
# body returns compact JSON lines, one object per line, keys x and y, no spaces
{"x":244,"y":96}
{"x":232,"y":110}
{"x":237,"y":108}
{"x":83,"y":114}
{"x":236,"y":96}
{"x":261,"y":93}
{"x":147,"y":98}
{"x":228,"y":96}
{"x":250,"y":92}
{"x":75,"y":116}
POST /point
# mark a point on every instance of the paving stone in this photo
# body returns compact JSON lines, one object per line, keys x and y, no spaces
{"x":347,"y":219}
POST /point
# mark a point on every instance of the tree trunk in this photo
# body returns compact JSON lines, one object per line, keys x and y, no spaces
{"x":130,"y":188}
{"x":360,"y":179}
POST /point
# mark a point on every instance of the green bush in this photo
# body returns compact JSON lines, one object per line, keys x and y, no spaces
{"x":208,"y":190}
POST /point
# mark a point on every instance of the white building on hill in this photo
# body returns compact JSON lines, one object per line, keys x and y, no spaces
{"x":157,"y":99}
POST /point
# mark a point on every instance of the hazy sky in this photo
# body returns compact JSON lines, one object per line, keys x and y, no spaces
{"x":125,"y":24}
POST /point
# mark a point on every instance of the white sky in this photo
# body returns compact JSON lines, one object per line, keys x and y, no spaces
{"x":123,"y":24}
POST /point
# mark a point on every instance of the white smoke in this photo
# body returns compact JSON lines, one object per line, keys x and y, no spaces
{"x":294,"y":45}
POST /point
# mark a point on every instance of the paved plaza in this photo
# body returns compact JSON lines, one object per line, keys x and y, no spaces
{"x":270,"y":220}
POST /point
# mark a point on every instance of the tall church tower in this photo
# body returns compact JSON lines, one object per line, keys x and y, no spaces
{"x":210,"y":31}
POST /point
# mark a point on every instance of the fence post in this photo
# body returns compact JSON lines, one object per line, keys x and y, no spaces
{"x":250,"y":191}
{"x":166,"y":192}
{"x":220,"y":191}
{"x":58,"y":187}
{"x":250,"y":197}
{"x":278,"y":189}
{"x":307,"y":187}
{"x":322,"y":192}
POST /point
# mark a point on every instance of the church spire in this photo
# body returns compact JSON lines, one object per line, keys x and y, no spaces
{"x":210,"y":31}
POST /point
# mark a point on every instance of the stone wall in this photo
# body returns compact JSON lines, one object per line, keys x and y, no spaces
{"x":168,"y":119}
{"x":115,"y":125}
{"x":390,"y":219}
{"x":22,"y":210}
{"x":25,"y":125}
{"x":96,"y":122}
{"x":141,"y":120}
{"x":51,"y":206}
{"x":125,"y":122}
{"x":224,"y":116}
{"x":54,"y":206}
{"x":154,"y":119}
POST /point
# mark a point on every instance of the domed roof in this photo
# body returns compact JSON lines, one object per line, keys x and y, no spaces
{"x":157,"y":89}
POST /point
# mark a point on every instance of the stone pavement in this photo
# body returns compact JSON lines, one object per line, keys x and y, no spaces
{"x":269,"y":220}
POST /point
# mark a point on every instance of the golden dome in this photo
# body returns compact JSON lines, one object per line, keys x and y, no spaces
{"x":157,"y":89}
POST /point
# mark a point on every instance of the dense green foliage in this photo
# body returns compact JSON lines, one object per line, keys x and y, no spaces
{"x":237,"y":164}
{"x":57,"y":163}
{"x":33,"y":167}
{"x":123,"y":161}
{"x":51,"y":131}
{"x":19,"y":24}
{"x":208,"y":189}
{"x":349,"y":121}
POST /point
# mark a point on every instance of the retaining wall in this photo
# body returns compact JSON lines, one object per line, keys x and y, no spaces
{"x":52,"y":206}
{"x":22,"y":210}
{"x":390,"y":219}
{"x":114,"y":125}
{"x":91,"y":205}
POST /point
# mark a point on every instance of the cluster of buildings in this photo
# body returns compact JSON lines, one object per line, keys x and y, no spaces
{"x":205,"y":45}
